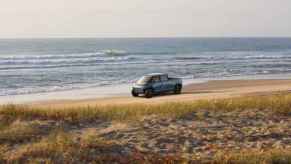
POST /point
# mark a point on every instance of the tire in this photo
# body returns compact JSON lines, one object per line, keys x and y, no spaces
{"x":134,"y":94}
{"x":148,"y":93}
{"x":177,"y":89}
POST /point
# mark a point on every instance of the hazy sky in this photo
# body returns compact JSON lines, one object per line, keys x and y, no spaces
{"x":144,"y":18}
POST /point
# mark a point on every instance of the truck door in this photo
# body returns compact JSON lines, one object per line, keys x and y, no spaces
{"x":166,"y":83}
{"x":157,"y":84}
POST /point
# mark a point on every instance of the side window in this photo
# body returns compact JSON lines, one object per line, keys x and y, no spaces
{"x":156,"y":79}
{"x":164,"y":78}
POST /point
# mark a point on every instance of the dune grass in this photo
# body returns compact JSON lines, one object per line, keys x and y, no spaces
{"x":22,"y":131}
{"x":279,"y":104}
{"x":18,"y":124}
{"x":254,"y":157}
{"x":61,"y":147}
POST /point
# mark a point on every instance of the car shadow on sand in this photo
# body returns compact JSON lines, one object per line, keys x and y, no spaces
{"x":182,"y":93}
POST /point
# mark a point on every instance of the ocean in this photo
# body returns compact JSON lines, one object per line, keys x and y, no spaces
{"x":48,"y":65}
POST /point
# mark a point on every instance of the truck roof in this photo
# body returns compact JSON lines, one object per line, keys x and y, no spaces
{"x":156,"y":74}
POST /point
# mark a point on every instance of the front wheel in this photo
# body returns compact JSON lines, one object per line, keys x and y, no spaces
{"x":148,"y":93}
{"x":134,"y":94}
{"x":178,"y":89}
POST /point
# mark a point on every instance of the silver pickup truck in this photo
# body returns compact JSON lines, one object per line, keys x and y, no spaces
{"x":156,"y":83}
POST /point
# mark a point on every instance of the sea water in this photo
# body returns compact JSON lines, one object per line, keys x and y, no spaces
{"x":30,"y":66}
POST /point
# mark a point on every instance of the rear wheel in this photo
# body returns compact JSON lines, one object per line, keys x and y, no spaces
{"x":148,"y":93}
{"x":177,"y":89}
{"x":134,"y":94}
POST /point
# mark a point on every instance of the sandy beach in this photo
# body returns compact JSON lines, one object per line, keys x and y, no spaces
{"x":208,"y":90}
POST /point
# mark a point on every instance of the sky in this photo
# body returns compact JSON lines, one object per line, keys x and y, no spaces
{"x":144,"y":18}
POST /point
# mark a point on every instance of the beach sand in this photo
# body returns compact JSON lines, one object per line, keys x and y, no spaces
{"x":209,"y":90}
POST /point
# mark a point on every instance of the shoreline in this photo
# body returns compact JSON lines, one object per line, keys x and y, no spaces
{"x":193,"y":89}
{"x":216,"y":89}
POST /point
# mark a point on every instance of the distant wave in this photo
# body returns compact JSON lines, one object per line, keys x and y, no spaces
{"x":114,"y":52}
{"x":101,"y":53}
{"x":190,"y":58}
{"x":62,"y":59}
{"x":41,"y":57}
{"x":46,"y":65}
{"x":154,"y":53}
{"x":272,"y":65}
{"x":268,"y":57}
{"x":231,"y":57}
{"x":123,"y":53}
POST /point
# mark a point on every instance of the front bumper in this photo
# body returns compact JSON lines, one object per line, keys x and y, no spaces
{"x":138,"y":90}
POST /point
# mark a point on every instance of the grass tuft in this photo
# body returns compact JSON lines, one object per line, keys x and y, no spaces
{"x":22,"y":131}
{"x":254,"y":157}
{"x":278,"y":104}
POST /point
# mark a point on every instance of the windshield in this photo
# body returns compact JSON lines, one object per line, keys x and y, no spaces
{"x":144,"y":80}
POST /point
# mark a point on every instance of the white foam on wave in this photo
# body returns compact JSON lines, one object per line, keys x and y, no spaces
{"x":49,"y":56}
{"x":61,"y":60}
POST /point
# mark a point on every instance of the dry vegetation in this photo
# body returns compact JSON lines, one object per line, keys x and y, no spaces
{"x":30,"y":135}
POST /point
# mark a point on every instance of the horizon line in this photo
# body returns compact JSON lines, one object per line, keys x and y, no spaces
{"x":167,"y":37}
